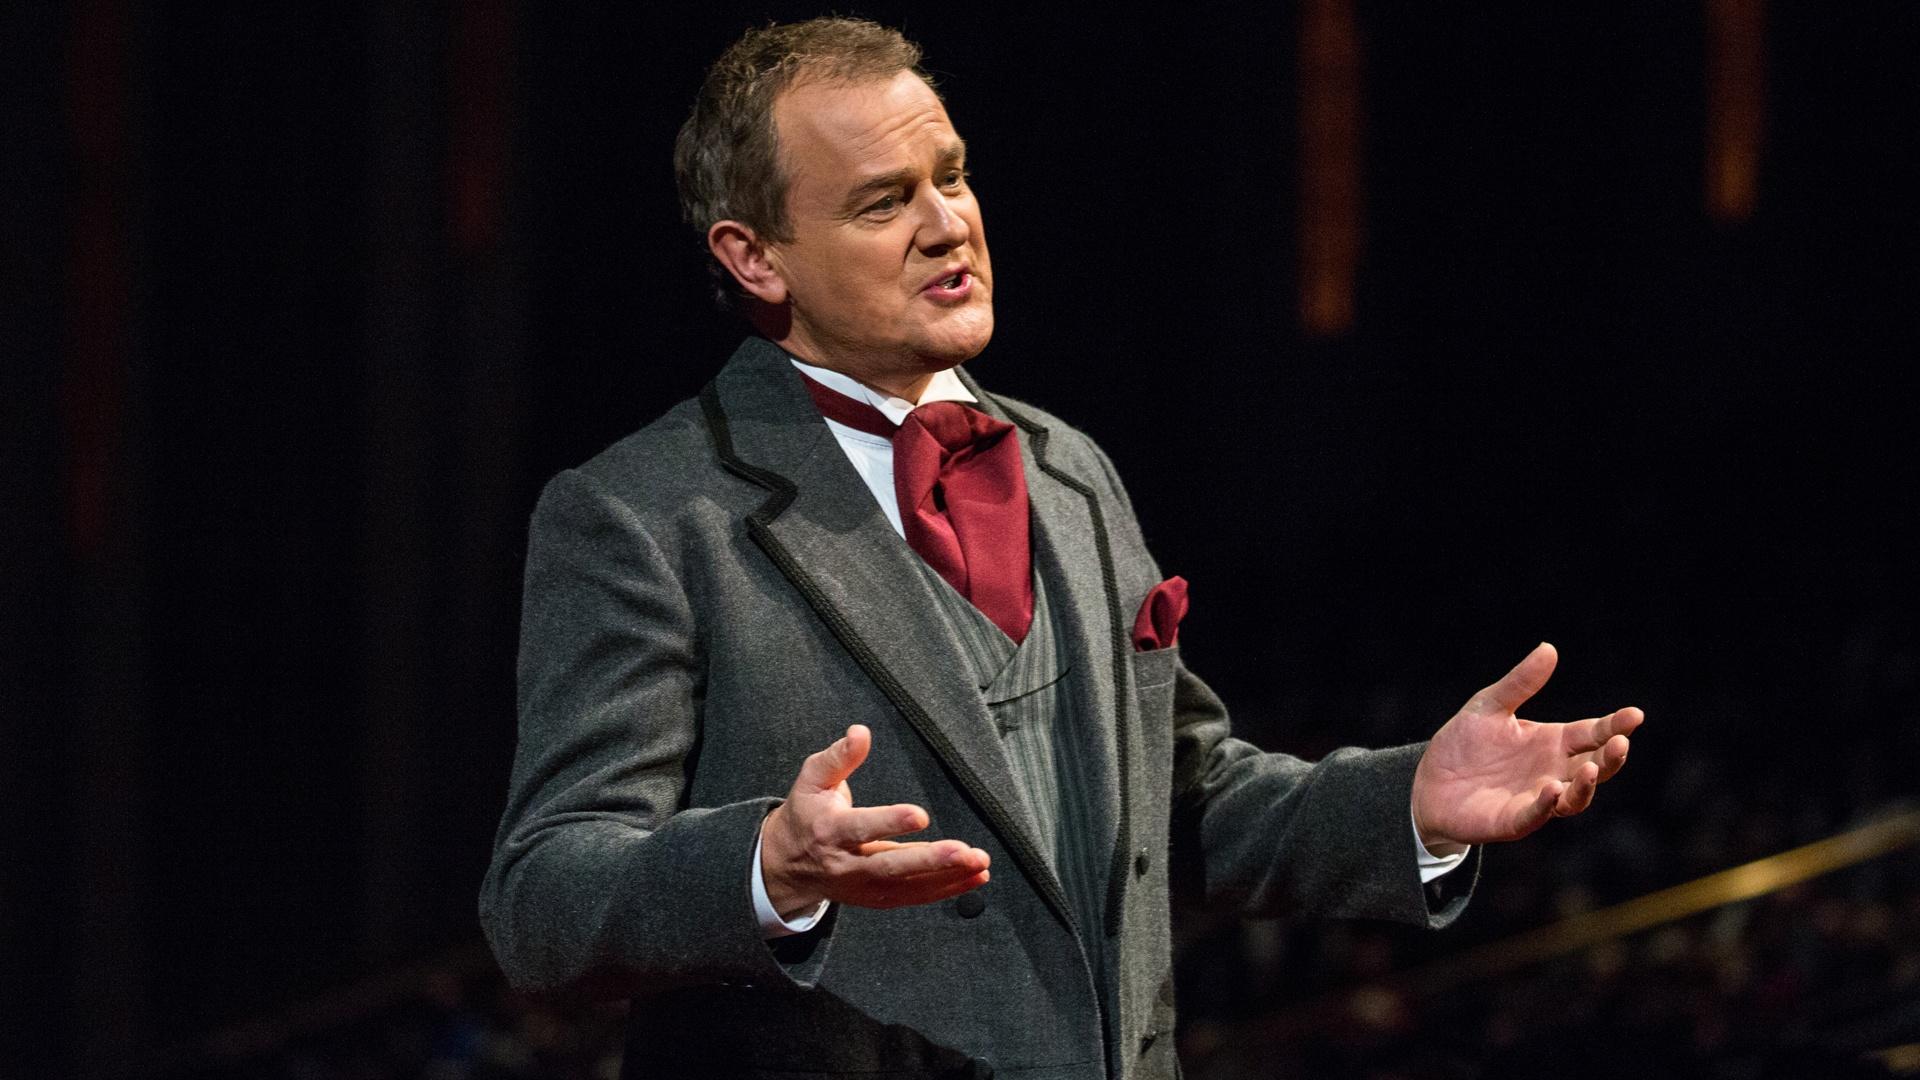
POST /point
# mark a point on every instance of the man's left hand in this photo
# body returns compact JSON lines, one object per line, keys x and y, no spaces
{"x":1489,"y":776}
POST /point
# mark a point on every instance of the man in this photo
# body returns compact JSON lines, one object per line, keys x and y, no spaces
{"x":826,"y":575}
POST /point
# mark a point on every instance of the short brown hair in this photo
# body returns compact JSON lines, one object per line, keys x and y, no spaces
{"x":726,"y":160}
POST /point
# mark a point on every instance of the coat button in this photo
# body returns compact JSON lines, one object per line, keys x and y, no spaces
{"x":1141,"y":863}
{"x":969,"y":904}
{"x":979,"y":1068}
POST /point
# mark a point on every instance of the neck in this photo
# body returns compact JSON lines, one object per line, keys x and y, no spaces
{"x":778,"y":325}
{"x":906,"y":385}
{"x":908,"y":388}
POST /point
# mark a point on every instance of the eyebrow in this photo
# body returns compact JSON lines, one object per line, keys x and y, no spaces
{"x":951,"y":154}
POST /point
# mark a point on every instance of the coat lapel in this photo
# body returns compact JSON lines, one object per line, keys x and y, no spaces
{"x":823,"y":530}
{"x":1070,"y":543}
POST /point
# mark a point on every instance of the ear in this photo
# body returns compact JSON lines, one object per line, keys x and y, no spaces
{"x":747,"y":259}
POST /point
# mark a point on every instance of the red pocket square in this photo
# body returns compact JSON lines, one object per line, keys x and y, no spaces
{"x":1158,"y":624}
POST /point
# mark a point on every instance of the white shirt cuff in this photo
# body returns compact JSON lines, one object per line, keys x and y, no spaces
{"x":1431,"y":866}
{"x":771,"y":924}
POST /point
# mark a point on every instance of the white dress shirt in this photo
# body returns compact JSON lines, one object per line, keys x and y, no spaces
{"x":872,"y":458}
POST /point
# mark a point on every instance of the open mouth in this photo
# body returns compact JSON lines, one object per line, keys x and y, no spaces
{"x":954,"y":282}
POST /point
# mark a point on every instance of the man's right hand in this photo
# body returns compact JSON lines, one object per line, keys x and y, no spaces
{"x":819,"y":846}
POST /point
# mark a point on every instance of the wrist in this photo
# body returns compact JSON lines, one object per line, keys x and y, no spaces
{"x":1435,"y":844}
{"x":787,"y":897}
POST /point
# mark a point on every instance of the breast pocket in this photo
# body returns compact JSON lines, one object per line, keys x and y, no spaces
{"x":1153,"y":679}
{"x":1153,"y":670}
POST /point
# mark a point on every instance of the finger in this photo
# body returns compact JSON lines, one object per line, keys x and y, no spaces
{"x":1524,"y":681}
{"x":922,"y":890}
{"x":1611,"y":756}
{"x":941,"y":890}
{"x":875,"y":847}
{"x":1543,"y":806}
{"x":1584,"y":735}
{"x":851,"y":828}
{"x":920,"y":860}
{"x":829,"y":768}
{"x":1579,"y":794}
{"x":1607,"y":759}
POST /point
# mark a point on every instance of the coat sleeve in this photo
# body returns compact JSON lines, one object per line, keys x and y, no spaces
{"x":601,"y":880}
{"x":1266,"y":833}
{"x":1269,"y":833}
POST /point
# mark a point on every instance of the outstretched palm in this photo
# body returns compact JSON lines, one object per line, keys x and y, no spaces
{"x":1489,"y":776}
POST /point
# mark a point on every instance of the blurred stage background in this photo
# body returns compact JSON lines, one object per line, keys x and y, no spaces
{"x":1419,"y":332}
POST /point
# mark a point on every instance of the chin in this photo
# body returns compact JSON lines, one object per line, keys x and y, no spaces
{"x":962,"y":343}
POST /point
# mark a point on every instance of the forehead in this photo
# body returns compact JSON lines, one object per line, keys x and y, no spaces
{"x":837,"y":133}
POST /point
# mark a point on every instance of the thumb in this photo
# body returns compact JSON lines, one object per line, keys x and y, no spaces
{"x":1524,"y":681}
{"x":830,"y":768}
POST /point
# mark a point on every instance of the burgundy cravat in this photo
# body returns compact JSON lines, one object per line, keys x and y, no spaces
{"x":963,"y":499}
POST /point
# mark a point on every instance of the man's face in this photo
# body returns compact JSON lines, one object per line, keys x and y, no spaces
{"x":887,"y":275}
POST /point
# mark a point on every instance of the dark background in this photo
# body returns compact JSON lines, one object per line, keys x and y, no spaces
{"x":304,"y":304}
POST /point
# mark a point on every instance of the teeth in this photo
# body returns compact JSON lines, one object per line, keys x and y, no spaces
{"x":953,"y":282}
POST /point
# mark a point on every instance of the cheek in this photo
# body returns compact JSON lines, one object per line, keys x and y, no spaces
{"x":876,"y":271}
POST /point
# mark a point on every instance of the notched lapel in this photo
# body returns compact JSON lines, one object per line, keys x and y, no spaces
{"x":840,"y":541}
{"x":1060,"y":545}
{"x":824,"y":531}
{"x":1070,"y":542}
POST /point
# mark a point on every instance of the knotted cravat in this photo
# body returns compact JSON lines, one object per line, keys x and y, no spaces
{"x":963,"y":499}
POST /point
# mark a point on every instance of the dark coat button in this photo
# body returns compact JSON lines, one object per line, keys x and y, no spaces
{"x":969,"y":904}
{"x":979,"y":1068}
{"x":1141,"y":862}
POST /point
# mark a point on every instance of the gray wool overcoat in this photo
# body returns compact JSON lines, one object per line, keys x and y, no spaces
{"x":717,"y":596}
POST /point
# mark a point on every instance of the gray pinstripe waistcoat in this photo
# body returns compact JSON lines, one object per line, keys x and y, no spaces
{"x":716,"y":597}
{"x":1055,"y":754}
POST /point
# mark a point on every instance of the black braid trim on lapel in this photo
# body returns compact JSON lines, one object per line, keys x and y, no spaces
{"x":1123,"y":838}
{"x":784,"y":491}
{"x":782,"y":488}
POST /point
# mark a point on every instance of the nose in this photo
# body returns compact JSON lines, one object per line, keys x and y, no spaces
{"x":941,"y":228}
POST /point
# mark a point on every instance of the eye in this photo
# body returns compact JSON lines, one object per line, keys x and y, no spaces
{"x":954,"y":178}
{"x":885,"y":204}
